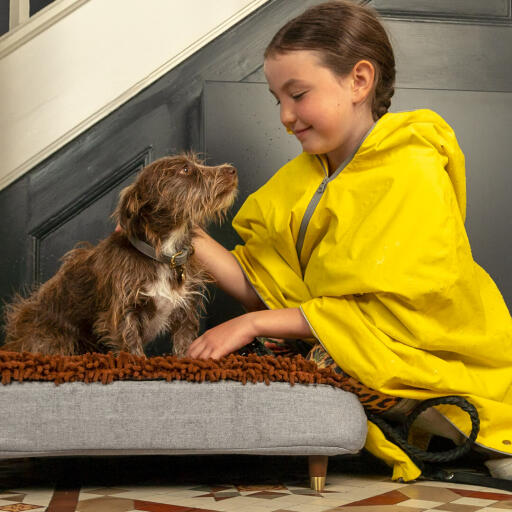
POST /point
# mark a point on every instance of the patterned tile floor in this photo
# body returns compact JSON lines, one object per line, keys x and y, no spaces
{"x":225,"y":484}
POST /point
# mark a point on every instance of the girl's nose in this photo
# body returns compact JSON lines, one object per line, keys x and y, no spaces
{"x":287,"y":116}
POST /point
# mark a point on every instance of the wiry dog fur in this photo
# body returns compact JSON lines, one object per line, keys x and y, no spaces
{"x":111,"y":297}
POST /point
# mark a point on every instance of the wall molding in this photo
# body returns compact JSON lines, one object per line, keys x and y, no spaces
{"x":476,"y":12}
{"x":89,"y":197}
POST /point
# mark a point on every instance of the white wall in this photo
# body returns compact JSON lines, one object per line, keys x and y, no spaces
{"x":78,"y":60}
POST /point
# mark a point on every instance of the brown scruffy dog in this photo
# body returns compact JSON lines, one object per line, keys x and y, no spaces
{"x":140,"y":281}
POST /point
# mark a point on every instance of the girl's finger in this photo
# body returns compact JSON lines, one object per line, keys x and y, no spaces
{"x":195,"y":351}
{"x":204,"y":353}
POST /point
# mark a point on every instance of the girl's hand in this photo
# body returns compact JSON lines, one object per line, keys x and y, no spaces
{"x":223,"y":339}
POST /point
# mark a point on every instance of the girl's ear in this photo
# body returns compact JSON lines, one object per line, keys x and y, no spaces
{"x":362,"y":78}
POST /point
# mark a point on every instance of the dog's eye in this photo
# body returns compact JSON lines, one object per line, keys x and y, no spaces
{"x":185,"y":170}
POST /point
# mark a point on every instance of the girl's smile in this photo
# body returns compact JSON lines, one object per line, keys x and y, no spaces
{"x":300,"y":134}
{"x":326,"y":112}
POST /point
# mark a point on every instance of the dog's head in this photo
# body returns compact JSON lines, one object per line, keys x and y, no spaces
{"x":175,"y":193}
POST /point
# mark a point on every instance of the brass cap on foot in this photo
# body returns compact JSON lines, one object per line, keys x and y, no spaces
{"x":317,"y":483}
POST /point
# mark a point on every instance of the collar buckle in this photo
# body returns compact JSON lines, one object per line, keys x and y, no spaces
{"x":173,"y":263}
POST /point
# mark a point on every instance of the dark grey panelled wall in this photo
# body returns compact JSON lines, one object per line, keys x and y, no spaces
{"x":461,"y":47}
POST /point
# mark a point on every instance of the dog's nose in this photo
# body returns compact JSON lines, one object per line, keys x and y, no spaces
{"x":229,"y":170}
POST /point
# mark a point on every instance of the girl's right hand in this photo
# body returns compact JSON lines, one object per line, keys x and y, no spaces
{"x":223,"y":339}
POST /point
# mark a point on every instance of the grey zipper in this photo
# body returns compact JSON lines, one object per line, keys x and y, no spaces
{"x":313,"y":203}
{"x":310,"y":210}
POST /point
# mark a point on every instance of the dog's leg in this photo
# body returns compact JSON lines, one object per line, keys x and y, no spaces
{"x":120,"y":331}
{"x":184,"y":329}
{"x":31,"y":326}
{"x":132,"y":328}
{"x":129,"y":338}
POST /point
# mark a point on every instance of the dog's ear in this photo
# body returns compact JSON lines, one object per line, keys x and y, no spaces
{"x":129,"y":205}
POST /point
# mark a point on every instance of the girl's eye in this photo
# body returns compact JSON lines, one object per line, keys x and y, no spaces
{"x":295,"y":97}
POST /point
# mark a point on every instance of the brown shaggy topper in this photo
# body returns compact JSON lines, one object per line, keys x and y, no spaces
{"x":106,"y":368}
{"x":112,"y":297}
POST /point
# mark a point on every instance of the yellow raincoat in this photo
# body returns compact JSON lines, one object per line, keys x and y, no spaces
{"x":385,"y":275}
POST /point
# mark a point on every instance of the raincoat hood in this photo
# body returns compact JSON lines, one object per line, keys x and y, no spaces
{"x":384,"y":274}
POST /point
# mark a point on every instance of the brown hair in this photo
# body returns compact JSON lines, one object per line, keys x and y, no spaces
{"x":343,"y":33}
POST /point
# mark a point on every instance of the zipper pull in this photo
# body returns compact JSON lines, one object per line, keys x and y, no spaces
{"x":322,"y":186}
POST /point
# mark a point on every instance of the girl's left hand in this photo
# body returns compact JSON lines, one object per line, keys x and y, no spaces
{"x":223,"y":339}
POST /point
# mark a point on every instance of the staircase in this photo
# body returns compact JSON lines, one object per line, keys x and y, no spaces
{"x":76,"y":61}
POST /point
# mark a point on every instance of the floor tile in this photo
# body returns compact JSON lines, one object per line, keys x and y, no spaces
{"x":184,"y":502}
{"x":84,"y":496}
{"x":267,"y":495}
{"x":105,"y":504}
{"x":148,"y":506}
{"x":423,"y":492}
{"x":387,"y":498}
{"x":12,"y":497}
{"x":106,"y":491}
{"x":462,"y":487}
{"x":261,"y":487}
{"x":139,"y":494}
{"x":19,"y":507}
{"x":452,"y":507}
{"x":308,"y":508}
{"x":376,"y":508}
{"x":477,"y":502}
{"x":40,"y":497}
{"x":421,"y":504}
{"x":63,"y":501}
{"x":490,"y":495}
{"x":444,"y":509}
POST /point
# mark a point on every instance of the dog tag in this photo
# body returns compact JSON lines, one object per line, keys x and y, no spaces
{"x":180,"y":274}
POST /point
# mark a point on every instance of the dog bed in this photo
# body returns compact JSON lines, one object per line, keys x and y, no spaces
{"x":61,"y":405}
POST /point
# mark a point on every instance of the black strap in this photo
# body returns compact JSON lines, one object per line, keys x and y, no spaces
{"x":400,"y":434}
{"x":466,"y":477}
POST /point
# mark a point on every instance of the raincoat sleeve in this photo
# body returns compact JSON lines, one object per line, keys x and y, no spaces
{"x":268,"y":256}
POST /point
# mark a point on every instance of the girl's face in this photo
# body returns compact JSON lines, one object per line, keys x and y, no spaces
{"x":323,"y":110}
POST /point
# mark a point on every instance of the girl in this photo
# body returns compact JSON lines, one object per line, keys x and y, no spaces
{"x":358,"y":245}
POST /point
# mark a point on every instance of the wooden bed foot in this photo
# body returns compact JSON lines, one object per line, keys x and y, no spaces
{"x":317,"y":471}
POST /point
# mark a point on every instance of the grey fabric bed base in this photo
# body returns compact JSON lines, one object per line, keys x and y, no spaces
{"x":158,"y":417}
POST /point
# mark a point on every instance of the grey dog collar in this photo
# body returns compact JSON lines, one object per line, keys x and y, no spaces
{"x":176,"y":260}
